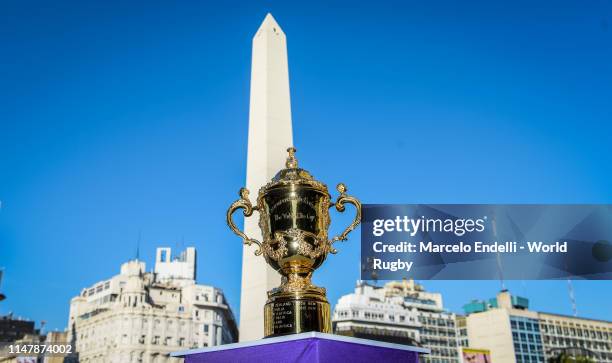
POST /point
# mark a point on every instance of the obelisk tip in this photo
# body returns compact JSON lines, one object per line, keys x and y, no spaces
{"x":269,"y":23}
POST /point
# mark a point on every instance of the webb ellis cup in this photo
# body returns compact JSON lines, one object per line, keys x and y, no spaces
{"x":294,"y":219}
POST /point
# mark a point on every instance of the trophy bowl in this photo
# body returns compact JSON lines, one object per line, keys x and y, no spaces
{"x":294,"y":221}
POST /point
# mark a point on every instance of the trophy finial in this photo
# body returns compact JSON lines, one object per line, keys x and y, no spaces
{"x":291,"y":162}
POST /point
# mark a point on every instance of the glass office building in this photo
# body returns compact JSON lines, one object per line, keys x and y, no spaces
{"x":527,"y":340}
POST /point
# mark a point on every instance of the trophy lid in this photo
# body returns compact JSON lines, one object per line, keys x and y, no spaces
{"x":294,"y":175}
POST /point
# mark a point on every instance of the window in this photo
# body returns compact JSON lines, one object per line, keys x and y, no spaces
{"x":205,"y":329}
{"x":155,"y":339}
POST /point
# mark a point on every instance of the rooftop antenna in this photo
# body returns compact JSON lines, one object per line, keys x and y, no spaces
{"x":572,"y":297}
{"x":2,"y":296}
{"x":138,"y":244}
{"x":498,"y":258}
{"x":570,"y":290}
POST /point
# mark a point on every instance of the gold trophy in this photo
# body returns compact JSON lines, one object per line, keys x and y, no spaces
{"x":294,"y":219}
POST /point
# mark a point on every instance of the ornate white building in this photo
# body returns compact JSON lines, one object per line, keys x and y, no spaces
{"x":140,"y":316}
{"x":400,"y":312}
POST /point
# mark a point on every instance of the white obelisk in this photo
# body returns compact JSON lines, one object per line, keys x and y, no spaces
{"x":269,"y":137}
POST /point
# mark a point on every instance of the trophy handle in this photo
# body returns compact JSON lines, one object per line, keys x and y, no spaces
{"x":245,"y":204}
{"x":345,"y":198}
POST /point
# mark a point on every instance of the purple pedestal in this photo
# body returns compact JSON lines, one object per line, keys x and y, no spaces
{"x":306,"y":347}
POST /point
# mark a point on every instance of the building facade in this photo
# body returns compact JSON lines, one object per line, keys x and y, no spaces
{"x":513,"y":333}
{"x":560,"y":332}
{"x":400,"y":312}
{"x":139,"y":316}
{"x":13,"y":329}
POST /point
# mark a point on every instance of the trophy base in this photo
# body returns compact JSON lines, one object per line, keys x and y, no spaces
{"x":295,"y":313}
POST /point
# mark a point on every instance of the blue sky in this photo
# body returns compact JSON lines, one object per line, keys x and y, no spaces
{"x":120,"y":117}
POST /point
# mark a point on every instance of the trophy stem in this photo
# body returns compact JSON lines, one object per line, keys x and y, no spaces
{"x":300,"y":283}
